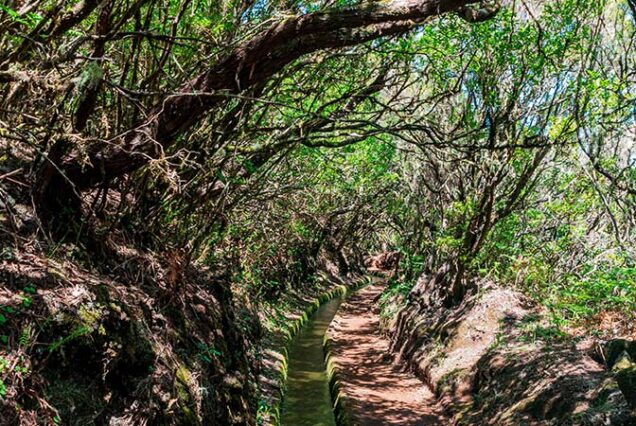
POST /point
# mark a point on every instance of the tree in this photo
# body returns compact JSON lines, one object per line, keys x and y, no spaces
{"x":249,"y":64}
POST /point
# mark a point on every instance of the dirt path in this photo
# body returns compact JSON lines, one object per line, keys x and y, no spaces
{"x":377,"y":393}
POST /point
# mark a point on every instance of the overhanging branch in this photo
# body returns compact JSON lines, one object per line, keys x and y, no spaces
{"x":249,"y":64}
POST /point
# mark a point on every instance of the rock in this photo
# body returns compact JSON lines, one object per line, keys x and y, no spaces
{"x":384,"y":261}
{"x":625,"y":374}
{"x":613,"y":349}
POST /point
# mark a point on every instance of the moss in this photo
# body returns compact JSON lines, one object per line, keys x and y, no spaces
{"x":182,"y":385}
{"x":340,"y":403}
{"x":448,"y":382}
{"x":91,"y":317}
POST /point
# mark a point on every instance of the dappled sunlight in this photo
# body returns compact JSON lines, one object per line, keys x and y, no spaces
{"x":184,"y":184}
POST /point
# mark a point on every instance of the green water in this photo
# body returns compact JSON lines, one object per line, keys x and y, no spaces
{"x":307,"y":401}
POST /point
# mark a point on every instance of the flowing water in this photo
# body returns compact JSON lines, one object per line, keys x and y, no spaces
{"x":307,"y":401}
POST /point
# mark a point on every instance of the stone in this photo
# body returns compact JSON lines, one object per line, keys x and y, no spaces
{"x":625,"y":374}
{"x":613,"y":350}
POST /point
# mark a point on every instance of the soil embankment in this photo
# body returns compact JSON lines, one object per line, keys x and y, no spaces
{"x":497,"y":342}
{"x":376,"y":393}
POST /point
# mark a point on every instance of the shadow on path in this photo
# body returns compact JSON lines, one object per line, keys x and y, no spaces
{"x":379,"y":393}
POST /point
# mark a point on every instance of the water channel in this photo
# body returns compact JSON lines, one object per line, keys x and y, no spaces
{"x":307,"y":401}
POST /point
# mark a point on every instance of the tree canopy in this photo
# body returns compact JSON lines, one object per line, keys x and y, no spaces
{"x":479,"y":139}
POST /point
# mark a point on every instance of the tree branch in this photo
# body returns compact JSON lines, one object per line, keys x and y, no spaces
{"x":251,"y":63}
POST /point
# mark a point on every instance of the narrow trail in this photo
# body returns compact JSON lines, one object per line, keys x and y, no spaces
{"x":377,"y":392}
